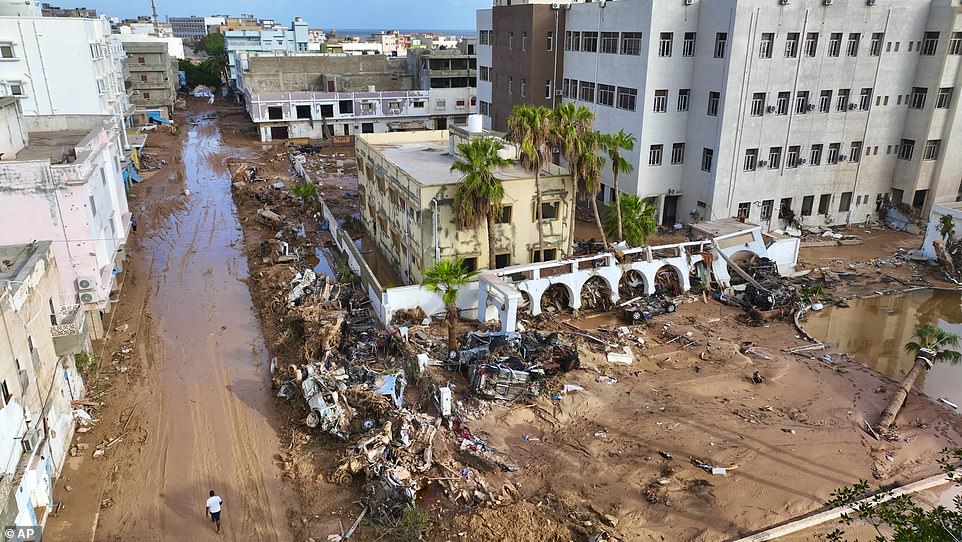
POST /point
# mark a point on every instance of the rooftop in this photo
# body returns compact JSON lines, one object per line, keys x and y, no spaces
{"x":723,"y":227}
{"x":58,"y":147}
{"x":17,"y":261}
{"x":425,"y":156}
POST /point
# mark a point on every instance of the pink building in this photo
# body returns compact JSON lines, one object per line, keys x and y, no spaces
{"x":61,"y":181}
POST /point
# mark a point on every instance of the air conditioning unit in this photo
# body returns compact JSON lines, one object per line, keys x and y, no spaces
{"x":555,"y":6}
{"x":689,"y":2}
{"x":869,"y":2}
{"x":802,"y":161}
{"x":811,"y":107}
{"x":783,"y":2}
{"x":762,"y":163}
{"x":770,"y":109}
{"x":827,"y":2}
{"x":86,"y":283}
{"x":88,"y":297}
{"x":852,"y":107}
{"x":558,"y":92}
{"x":29,"y":441}
{"x":842,"y":158}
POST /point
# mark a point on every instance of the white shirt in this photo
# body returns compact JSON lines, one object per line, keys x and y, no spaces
{"x":213,"y":504}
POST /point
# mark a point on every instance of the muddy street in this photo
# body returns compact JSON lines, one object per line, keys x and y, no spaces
{"x":202,"y":411}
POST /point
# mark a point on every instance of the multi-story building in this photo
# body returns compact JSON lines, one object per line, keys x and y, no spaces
{"x":809,"y":109}
{"x":153,"y":75}
{"x":450,"y":74}
{"x":293,"y":40}
{"x":40,"y":335}
{"x":56,"y":11}
{"x":407,"y":203}
{"x":62,"y":65}
{"x":317,"y":95}
{"x":61,"y":180}
{"x":521,"y":58}
{"x":188,"y":28}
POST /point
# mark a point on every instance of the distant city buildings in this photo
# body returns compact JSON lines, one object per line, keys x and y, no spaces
{"x":48,"y":10}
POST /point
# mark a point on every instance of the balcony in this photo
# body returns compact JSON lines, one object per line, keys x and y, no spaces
{"x":69,"y":335}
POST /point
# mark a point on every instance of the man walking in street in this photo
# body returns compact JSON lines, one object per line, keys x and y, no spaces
{"x":213,"y":509}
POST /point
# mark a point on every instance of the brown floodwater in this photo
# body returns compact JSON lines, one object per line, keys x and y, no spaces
{"x":874,"y":331}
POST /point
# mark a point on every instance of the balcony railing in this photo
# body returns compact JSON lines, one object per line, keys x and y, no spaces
{"x":69,"y":335}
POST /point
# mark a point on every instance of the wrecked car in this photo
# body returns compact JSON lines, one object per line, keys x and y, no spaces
{"x":510,"y":365}
{"x":644,"y":308}
{"x":328,"y":410}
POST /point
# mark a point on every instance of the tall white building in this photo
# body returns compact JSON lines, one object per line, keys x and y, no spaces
{"x":296,"y":39}
{"x":768,"y":109}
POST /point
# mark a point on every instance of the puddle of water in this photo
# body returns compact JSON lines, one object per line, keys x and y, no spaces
{"x":320,"y":262}
{"x":874,"y":331}
{"x":379,"y":265}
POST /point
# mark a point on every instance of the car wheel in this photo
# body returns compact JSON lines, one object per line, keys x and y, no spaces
{"x":670,"y":307}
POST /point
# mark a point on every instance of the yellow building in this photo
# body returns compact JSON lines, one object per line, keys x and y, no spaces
{"x":407,"y":193}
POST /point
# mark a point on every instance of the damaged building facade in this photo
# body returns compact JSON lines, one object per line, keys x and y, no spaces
{"x":61,"y":180}
{"x":407,"y":192}
{"x":809,"y":111}
{"x":317,"y":95}
{"x":153,"y":74}
{"x":42,"y":331}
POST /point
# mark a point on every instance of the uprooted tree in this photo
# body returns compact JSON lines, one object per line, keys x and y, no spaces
{"x":899,"y":518}
{"x":932,"y":345}
{"x":446,"y":278}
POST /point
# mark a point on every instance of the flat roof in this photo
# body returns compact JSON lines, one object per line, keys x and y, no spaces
{"x":722,"y":227}
{"x":17,"y":261}
{"x":429,"y":162}
{"x":53,"y":146}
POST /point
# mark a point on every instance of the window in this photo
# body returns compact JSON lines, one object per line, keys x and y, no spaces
{"x":524,"y":87}
{"x":758,"y":104}
{"x":589,"y":42}
{"x":930,"y":42}
{"x":627,"y":98}
{"x":504,"y":217}
{"x":944,"y":99}
{"x":835,"y":44}
{"x":767,"y":206}
{"x":502,"y":260}
{"x":664,"y":43}
{"x":865,"y":99}
{"x":918,"y":98}
{"x":807,"y":203}
{"x":586,"y":91}
{"x":510,"y":85}
{"x":304,"y":111}
{"x":791,"y":159}
{"x":549,"y":38}
{"x":751,"y":159}
{"x":661,"y":101}
{"x":549,"y":254}
{"x":93,"y":206}
{"x":654,"y":155}
{"x":688,"y":46}
{"x":143,"y":78}
{"x":876,"y":45}
{"x":791,"y":45}
{"x":484,"y":73}
{"x":713,"y":104}
{"x":955,"y":43}
{"x":606,"y":94}
{"x":906,"y":149}
{"x":853,"y":41}
{"x":765,"y":45}
{"x":484,"y":37}
{"x":825,"y":101}
{"x":484,"y":108}
{"x":7,"y":396}
{"x":141,"y":60}
{"x":841,"y":103}
{"x":684,"y":96}
{"x":631,"y":43}
{"x":931,"y":150}
{"x":345,"y":107}
{"x":855,"y":151}
{"x":811,"y":44}
{"x":785,"y":209}
{"x":845,"y":202}
{"x":774,"y":157}
{"x":707,"y":157}
{"x":6,"y":50}
{"x":744,"y":209}
{"x":15,"y":88}
{"x":721,"y":43}
{"x":609,"y":43}
{"x":781,"y":103}
{"x":524,"y":41}
{"x":824,"y":202}
{"x":678,"y":153}
{"x":815,"y":157}
{"x":801,"y":102}
{"x":833,"y":150}
{"x":549,"y":210}
{"x":511,"y":41}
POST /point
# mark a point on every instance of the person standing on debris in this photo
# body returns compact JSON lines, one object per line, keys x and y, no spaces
{"x":213,"y":509}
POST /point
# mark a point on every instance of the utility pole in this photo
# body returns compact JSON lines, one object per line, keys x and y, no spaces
{"x":153,"y":6}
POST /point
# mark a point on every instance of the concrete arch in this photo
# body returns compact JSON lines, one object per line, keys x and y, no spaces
{"x":679,"y":283}
{"x":633,"y":283}
{"x":574,"y":301}
{"x":611,"y":278}
{"x":723,"y":271}
{"x":605,"y":298}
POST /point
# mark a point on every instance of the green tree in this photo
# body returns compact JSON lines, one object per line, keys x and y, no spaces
{"x":639,"y":220}
{"x":305,"y":191}
{"x":900,"y":518}
{"x":215,"y":47}
{"x":529,"y":128}
{"x":479,"y":194}
{"x":570,"y":123}
{"x":613,"y":144}
{"x":590,"y":165}
{"x":946,"y":227}
{"x":446,"y":278}
{"x":932,"y":345}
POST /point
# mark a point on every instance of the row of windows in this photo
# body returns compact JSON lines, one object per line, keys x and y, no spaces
{"x":794,"y":158}
{"x":621,"y":97}
{"x":927,"y":46}
{"x":808,"y":205}
{"x":629,"y":43}
{"x":677,"y":154}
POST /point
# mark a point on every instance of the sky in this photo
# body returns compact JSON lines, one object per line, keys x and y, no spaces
{"x":326,"y":14}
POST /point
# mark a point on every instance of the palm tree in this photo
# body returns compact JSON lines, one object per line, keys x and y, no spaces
{"x":613,"y":144}
{"x":479,"y":194}
{"x":639,"y":220}
{"x":569,"y":125}
{"x":932,"y":344}
{"x":529,"y":128}
{"x":446,"y":278}
{"x":305,"y":190}
{"x":589,"y":171}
